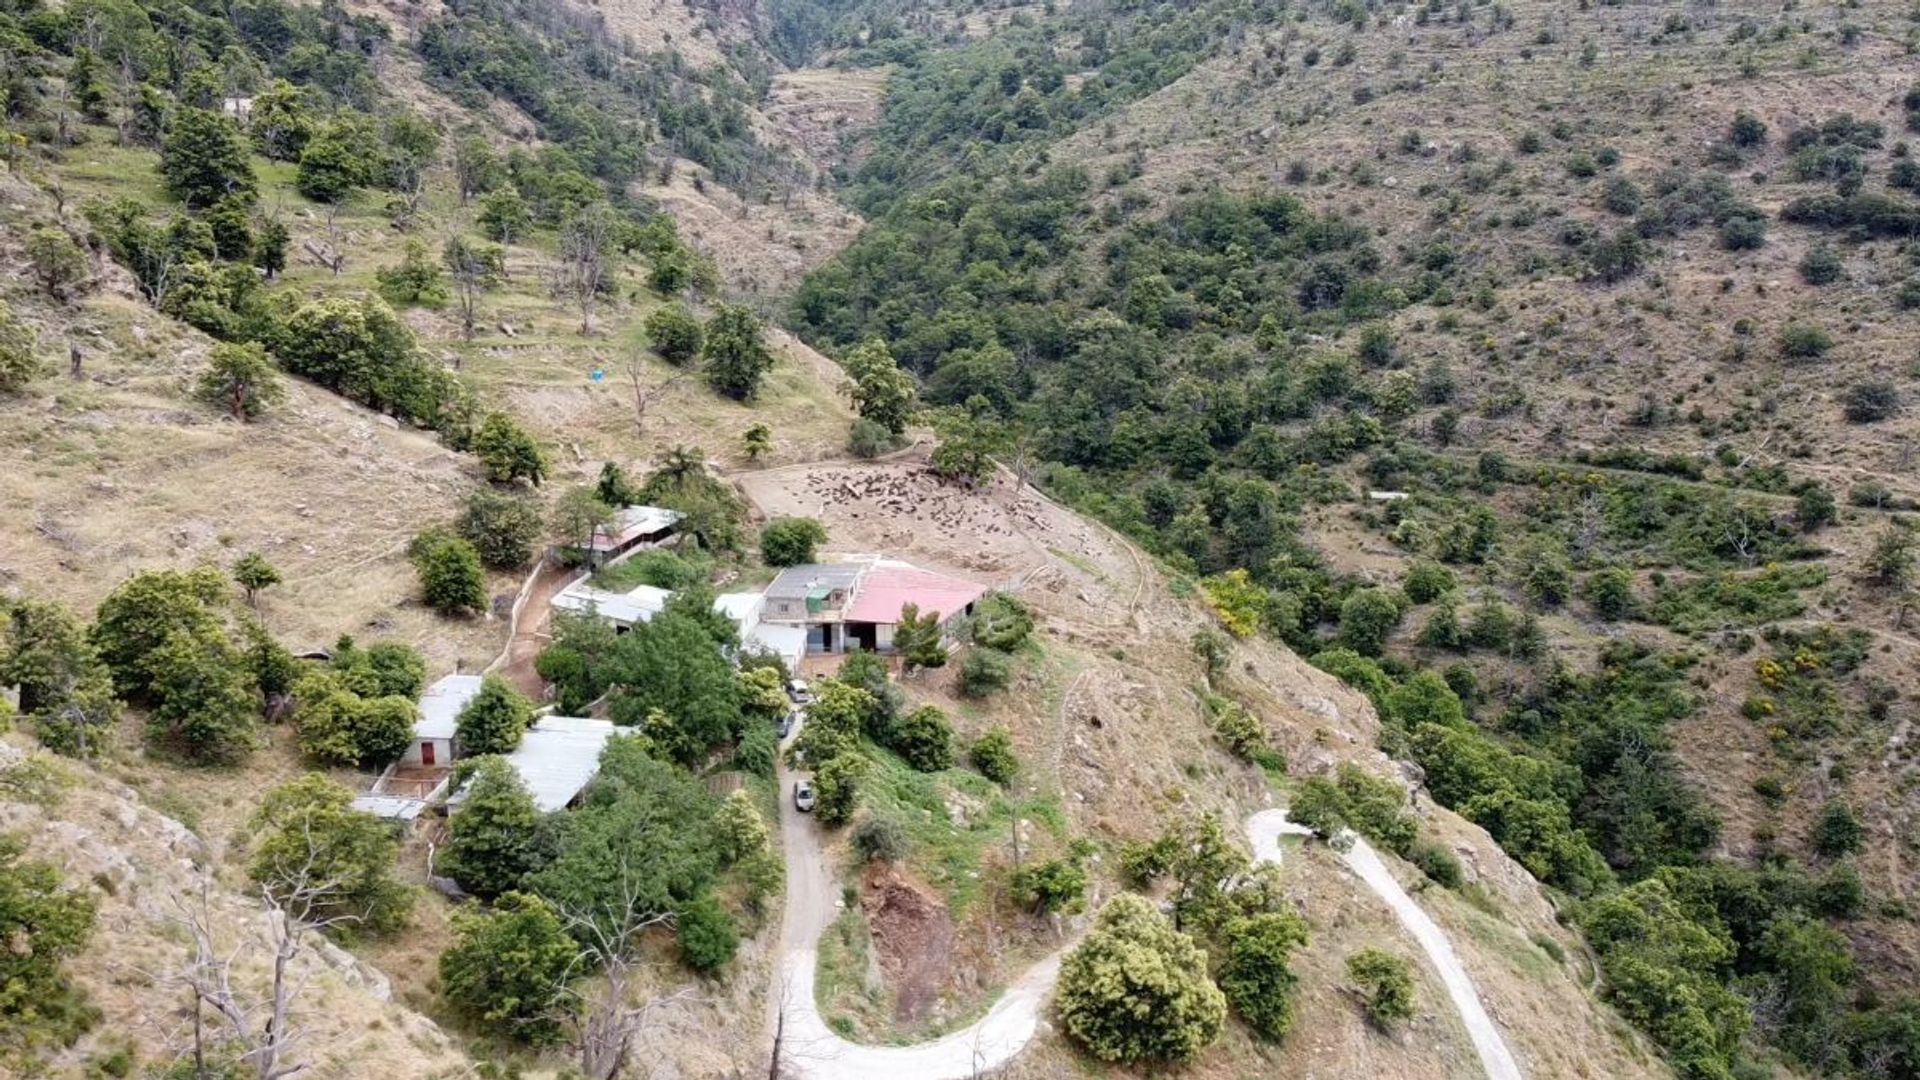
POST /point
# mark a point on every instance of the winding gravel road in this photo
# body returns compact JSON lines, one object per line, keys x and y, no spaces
{"x":810,"y":1050}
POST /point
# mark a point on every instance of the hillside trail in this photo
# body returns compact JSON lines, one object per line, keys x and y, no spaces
{"x":807,"y":1048}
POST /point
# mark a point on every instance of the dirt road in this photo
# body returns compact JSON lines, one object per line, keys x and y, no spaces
{"x":1264,"y":830}
{"x":810,"y":1050}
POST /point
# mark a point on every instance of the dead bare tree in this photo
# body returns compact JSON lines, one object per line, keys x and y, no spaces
{"x":258,"y":1025}
{"x":606,"y":1021}
{"x":643,"y":395}
{"x":586,"y":244}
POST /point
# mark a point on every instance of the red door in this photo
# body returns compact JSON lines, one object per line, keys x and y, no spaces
{"x":426,"y":753}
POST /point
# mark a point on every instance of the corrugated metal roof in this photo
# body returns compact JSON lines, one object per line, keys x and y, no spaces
{"x":890,"y":586}
{"x":630,"y":522}
{"x":628,"y":608}
{"x":789,"y":643}
{"x":440,"y":706}
{"x":558,"y":756}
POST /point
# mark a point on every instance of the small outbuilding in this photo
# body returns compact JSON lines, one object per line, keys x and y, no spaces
{"x":433,"y":731}
{"x":633,"y":528}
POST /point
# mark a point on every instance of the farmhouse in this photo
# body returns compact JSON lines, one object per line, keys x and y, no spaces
{"x":857,"y":604}
{"x":632,"y":528}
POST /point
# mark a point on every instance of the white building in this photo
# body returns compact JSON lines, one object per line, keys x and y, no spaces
{"x":624,"y":610}
{"x":440,"y":709}
{"x":556,"y":759}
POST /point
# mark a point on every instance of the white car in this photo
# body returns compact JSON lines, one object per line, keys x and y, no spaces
{"x":803,"y":795}
{"x":800,"y":692}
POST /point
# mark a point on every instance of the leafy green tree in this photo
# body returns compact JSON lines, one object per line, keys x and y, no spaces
{"x":1427,"y":582}
{"x":504,"y":216}
{"x":918,"y":639}
{"x":984,"y":672}
{"x":1837,"y":831}
{"x":204,"y":159}
{"x":508,"y":451}
{"x":58,"y":264}
{"x":340,"y":727}
{"x":757,"y":441}
{"x":577,"y":515}
{"x":383,"y":669}
{"x":1664,"y":970}
{"x":675,"y":334}
{"x":1366,"y":618}
{"x":20,"y":361}
{"x":709,"y":510}
{"x":501,"y":526}
{"x":1254,"y":974}
{"x":477,"y":168}
{"x":270,"y":242}
{"x":1203,"y":864}
{"x":356,"y":347}
{"x":672,"y":665}
{"x":840,"y":712}
{"x":763,"y":693}
{"x":63,"y":687}
{"x":791,"y":541}
{"x":307,"y":836}
{"x":252,"y":572}
{"x":452,"y":580}
{"x":281,"y":121}
{"x":644,"y":831}
{"x":735,"y":353}
{"x":741,"y":831}
{"x":836,"y":787}
{"x":337,"y":159}
{"x":493,"y":839}
{"x":924,"y":738}
{"x":706,"y":934}
{"x":1384,"y":982}
{"x":881,"y":392}
{"x":965,"y":453}
{"x":993,"y":755}
{"x":44,"y":923}
{"x":141,"y":612}
{"x":415,"y":280}
{"x":495,"y":720}
{"x":509,"y":966}
{"x":1136,"y":989}
{"x":241,"y":379}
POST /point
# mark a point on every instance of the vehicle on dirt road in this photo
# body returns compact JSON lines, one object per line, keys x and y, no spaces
{"x":803,"y":796}
{"x":789,"y":722}
{"x":799,"y":692}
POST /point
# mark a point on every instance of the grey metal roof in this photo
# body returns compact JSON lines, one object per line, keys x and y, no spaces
{"x":795,"y":582}
{"x":440,"y":706}
{"x":392,"y":807}
{"x":558,"y":756}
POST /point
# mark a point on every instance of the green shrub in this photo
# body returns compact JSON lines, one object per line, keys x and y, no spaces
{"x":984,"y":672}
{"x":1384,"y":982}
{"x":1254,"y":974}
{"x":706,"y":934}
{"x":791,"y":541}
{"x":1805,"y":341}
{"x":880,"y":839}
{"x":508,"y":966}
{"x":993,"y":755}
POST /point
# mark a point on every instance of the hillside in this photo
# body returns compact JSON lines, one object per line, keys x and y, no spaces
{"x":1487,"y":430}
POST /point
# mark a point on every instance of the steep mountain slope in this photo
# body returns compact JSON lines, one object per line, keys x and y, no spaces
{"x":1611,"y":312}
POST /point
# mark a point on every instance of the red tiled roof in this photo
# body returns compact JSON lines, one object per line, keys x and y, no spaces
{"x":884,"y":590}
